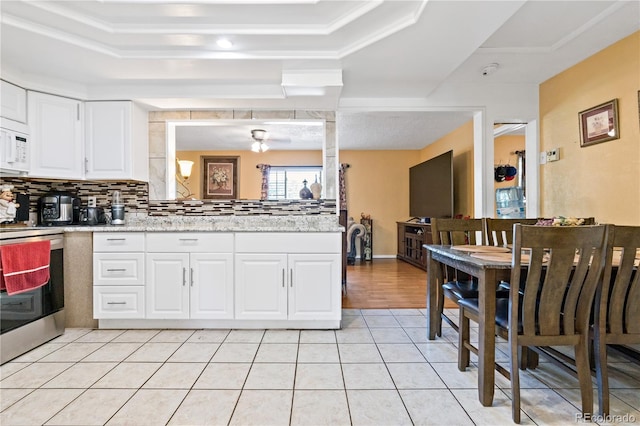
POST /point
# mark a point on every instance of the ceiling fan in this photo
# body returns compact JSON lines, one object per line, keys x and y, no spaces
{"x":259,"y":136}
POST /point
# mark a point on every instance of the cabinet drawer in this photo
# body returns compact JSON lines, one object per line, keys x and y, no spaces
{"x":118,"y":269}
{"x":118,"y":302}
{"x":288,"y":242}
{"x":118,"y":241}
{"x":189,"y":242}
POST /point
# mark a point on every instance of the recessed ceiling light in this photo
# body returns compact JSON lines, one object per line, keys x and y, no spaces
{"x":224,"y":43}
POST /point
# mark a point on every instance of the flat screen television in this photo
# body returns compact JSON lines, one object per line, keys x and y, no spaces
{"x":431,"y":187}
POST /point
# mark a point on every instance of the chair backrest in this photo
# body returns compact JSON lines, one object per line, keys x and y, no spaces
{"x":456,"y":231}
{"x":564,"y":268}
{"x":618,"y":299}
{"x":500,"y":231}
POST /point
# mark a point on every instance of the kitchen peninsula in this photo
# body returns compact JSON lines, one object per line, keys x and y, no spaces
{"x":206,"y":272}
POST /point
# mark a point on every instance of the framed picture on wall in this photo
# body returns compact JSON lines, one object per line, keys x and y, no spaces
{"x":599,"y":124}
{"x":219,"y":177}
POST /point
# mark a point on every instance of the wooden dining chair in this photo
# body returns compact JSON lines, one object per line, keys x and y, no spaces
{"x":455,"y":285}
{"x":499,"y":232}
{"x":563,"y":267}
{"x":617,"y":314}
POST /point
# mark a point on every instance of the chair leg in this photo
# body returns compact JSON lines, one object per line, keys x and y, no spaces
{"x":515,"y":380}
{"x":602,"y":375}
{"x":463,"y":337}
{"x":584,"y":375}
{"x":440,"y":308}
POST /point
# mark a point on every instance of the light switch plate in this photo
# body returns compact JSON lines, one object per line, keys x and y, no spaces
{"x":543,"y":157}
{"x":91,"y":201}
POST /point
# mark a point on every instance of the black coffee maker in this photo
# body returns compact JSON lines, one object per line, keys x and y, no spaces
{"x":58,"y":208}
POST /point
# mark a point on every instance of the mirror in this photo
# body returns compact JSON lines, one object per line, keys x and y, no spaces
{"x":289,"y":142}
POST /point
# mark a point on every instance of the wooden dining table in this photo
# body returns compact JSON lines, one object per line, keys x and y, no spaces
{"x":489,"y":272}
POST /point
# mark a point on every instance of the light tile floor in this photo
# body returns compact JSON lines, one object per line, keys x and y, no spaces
{"x":380,"y":369}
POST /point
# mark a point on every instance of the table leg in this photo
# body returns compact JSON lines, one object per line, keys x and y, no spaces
{"x":432,"y":297}
{"x":487,"y":339}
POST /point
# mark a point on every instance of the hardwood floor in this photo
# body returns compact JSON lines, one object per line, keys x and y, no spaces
{"x":385,"y":284}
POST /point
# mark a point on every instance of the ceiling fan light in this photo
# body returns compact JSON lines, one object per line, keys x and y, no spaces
{"x":259,"y":134}
{"x":255,"y":147}
{"x":264,"y":147}
{"x":224,"y":43}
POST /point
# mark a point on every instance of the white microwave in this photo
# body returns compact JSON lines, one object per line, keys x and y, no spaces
{"x":14,"y":147}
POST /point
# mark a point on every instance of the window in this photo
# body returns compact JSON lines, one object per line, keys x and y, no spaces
{"x":285,"y":182}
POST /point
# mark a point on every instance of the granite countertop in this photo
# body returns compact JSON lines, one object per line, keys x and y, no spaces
{"x":319,"y":223}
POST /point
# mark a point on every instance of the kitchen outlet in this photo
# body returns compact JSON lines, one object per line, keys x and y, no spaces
{"x":91,"y":201}
{"x":553,"y":154}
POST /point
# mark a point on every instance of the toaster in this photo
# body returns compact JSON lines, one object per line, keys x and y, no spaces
{"x":90,"y":216}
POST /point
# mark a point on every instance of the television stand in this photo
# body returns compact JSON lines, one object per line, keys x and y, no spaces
{"x":411,"y":237}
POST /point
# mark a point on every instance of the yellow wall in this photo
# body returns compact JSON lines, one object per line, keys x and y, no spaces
{"x":249,"y":176}
{"x":461,"y":142}
{"x":600,"y":180}
{"x":378,"y":184}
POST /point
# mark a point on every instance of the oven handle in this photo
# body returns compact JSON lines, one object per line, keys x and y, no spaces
{"x":57,"y":243}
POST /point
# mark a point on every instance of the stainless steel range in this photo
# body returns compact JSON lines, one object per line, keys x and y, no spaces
{"x":32,"y":318}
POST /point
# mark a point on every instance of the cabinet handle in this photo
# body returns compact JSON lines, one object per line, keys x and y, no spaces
{"x":86,"y":165}
{"x":116,"y":303}
{"x":283,"y":278}
{"x":291,"y":277}
{"x":187,"y":239}
{"x":116,"y":270}
{"x":191,"y":277}
{"x":184,"y":277}
{"x":116,"y":239}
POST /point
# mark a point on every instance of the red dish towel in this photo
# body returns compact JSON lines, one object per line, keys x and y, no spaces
{"x":24,"y":266}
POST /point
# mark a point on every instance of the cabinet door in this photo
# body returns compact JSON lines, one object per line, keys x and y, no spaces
{"x":108,"y":140}
{"x":56,"y":136}
{"x":116,"y":140}
{"x":314,"y":287}
{"x":261,"y":291}
{"x":14,"y":102}
{"x":211,"y":285}
{"x":167,"y":289}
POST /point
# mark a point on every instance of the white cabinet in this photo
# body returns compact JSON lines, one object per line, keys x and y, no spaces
{"x":261,"y":286}
{"x":56,"y":136}
{"x":116,"y":141}
{"x":118,"y":275}
{"x":288,"y":276}
{"x":14,"y":102}
{"x":190,"y":275}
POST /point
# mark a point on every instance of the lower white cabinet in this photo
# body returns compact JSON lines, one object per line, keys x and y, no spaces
{"x":118,"y":275}
{"x":210,"y":279}
{"x":189,"y":285}
{"x":189,"y":275}
{"x":287,"y":286}
{"x":288,"y":276}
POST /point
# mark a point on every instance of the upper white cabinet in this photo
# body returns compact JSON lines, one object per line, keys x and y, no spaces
{"x":116,"y":141}
{"x":56,"y":136}
{"x":14,"y":102}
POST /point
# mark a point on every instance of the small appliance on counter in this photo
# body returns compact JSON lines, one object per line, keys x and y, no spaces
{"x":91,"y":216}
{"x":117,"y":209}
{"x":58,"y":208}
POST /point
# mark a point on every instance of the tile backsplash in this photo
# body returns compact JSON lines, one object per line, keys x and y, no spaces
{"x":134,"y":194}
{"x":136,"y":198}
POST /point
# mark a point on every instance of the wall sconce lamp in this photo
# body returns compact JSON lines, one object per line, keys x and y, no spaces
{"x":185,"y":167}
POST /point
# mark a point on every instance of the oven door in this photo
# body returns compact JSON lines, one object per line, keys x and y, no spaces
{"x":21,"y":309}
